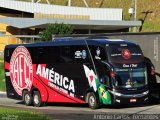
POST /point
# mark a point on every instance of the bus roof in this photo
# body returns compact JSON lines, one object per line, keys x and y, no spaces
{"x":77,"y":41}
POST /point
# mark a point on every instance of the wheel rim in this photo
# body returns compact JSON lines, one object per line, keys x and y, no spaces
{"x":27,"y":98}
{"x":92,"y":101}
{"x":36,"y":99}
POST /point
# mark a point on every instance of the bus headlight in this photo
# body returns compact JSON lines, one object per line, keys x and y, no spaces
{"x":116,"y":93}
{"x":146,"y":92}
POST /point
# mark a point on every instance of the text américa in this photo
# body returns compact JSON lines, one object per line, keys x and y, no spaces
{"x":55,"y":78}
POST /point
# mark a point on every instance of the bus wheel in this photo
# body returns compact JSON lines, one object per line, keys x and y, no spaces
{"x":37,"y":99}
{"x":27,"y":98}
{"x":93,"y":101}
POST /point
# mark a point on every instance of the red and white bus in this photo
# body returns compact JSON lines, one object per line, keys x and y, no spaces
{"x":76,"y":70}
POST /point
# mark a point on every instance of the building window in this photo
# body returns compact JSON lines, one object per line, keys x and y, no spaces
{"x":2,"y":33}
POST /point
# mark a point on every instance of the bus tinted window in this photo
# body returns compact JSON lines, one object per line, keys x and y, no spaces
{"x":41,"y":54}
{"x":125,"y":54}
{"x":67,"y":54}
{"x":53,"y":54}
{"x":98,"y":52}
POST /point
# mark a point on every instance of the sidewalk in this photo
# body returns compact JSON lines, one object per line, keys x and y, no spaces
{"x":2,"y":92}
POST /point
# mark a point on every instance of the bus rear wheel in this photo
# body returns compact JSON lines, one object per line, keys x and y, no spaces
{"x":37,"y":99}
{"x":93,"y":101}
{"x":27,"y":98}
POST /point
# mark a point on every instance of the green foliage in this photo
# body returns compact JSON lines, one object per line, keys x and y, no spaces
{"x":15,"y":114}
{"x":2,"y":80}
{"x":1,"y":59}
{"x":55,"y":29}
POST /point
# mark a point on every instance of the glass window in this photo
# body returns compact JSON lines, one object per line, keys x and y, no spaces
{"x":98,"y":52}
{"x":41,"y":55}
{"x":128,"y":78}
{"x":2,"y":33}
{"x":67,"y":55}
{"x":81,"y":54}
{"x":53,"y":54}
{"x":125,"y":54}
{"x":103,"y":76}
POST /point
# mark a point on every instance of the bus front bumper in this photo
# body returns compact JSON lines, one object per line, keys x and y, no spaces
{"x":130,"y":99}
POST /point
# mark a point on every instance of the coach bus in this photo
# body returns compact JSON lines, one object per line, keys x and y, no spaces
{"x":97,"y":71}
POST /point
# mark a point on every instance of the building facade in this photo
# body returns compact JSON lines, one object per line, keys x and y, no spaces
{"x":19,"y":18}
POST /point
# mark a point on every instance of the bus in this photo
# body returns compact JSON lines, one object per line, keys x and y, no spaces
{"x":93,"y":70}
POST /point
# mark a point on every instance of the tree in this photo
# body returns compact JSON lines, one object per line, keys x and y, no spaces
{"x":55,"y":29}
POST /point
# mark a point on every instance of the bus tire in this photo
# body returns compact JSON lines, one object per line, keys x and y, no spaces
{"x":93,"y":101}
{"x":37,"y":102}
{"x":27,"y":98}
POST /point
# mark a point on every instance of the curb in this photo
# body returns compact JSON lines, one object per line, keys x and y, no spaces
{"x":2,"y":92}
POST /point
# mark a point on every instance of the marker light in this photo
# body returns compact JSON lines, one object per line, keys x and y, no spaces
{"x":152,"y":71}
{"x":112,"y":74}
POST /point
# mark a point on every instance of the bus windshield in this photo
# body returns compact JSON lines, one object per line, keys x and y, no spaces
{"x":130,"y":78}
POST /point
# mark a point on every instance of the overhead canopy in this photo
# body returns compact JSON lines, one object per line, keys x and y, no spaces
{"x":79,"y":17}
{"x":78,"y":24}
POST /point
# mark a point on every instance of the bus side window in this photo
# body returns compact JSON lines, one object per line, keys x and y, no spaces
{"x":42,"y":54}
{"x":81,"y":54}
{"x":66,"y":54}
{"x":7,"y":53}
{"x":33,"y":54}
{"x":53,"y":54}
{"x":103,"y":77}
{"x":105,"y":80}
{"x":98,"y":52}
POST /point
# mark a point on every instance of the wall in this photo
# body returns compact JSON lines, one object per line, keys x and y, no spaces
{"x":93,"y":13}
{"x":4,"y":40}
{"x":7,"y":31}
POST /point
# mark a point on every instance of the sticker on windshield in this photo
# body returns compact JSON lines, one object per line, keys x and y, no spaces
{"x":126,"y":54}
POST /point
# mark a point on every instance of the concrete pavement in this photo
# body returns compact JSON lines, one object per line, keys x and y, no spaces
{"x":77,"y":111}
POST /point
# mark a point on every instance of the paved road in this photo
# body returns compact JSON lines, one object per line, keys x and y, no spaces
{"x":79,"y":112}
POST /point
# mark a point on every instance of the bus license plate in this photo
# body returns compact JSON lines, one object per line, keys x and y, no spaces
{"x":133,"y":100}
